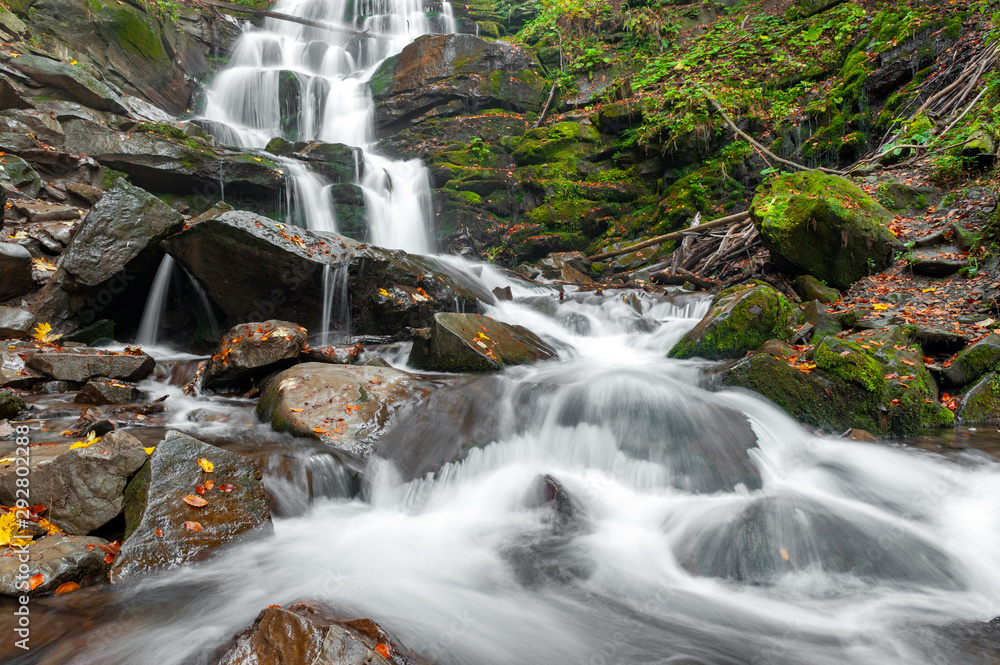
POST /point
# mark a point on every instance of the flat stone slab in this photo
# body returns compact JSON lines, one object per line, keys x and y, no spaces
{"x":46,"y":212}
{"x":81,"y":365}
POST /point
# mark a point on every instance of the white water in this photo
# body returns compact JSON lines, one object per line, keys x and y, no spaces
{"x":336,"y":304}
{"x":156,"y":304}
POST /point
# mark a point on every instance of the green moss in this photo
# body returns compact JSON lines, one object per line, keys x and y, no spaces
{"x":850,"y":362}
{"x":135,"y":35}
{"x":110,"y":176}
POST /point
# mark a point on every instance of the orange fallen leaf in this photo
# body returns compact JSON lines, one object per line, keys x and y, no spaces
{"x":196,"y":501}
{"x":67,"y":587}
{"x":36,"y":581}
{"x":200,"y":489}
{"x":209,"y":484}
{"x":296,"y":410}
{"x":193,"y":526}
{"x":159,"y":533}
{"x":384,"y":650}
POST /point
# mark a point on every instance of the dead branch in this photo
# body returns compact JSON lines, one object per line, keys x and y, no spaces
{"x":659,"y":240}
{"x":266,"y":13}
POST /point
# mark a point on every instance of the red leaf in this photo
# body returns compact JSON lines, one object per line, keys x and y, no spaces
{"x":193,"y":526}
{"x":226,"y":487}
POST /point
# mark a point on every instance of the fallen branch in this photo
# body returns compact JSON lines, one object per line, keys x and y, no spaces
{"x":759,"y":146}
{"x":680,"y":277}
{"x":659,"y":240}
{"x":548,"y":104}
{"x":266,"y":13}
{"x":967,"y":109}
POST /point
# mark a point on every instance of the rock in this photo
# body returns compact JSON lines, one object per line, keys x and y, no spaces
{"x":966,"y":237}
{"x":823,"y":225}
{"x":856,"y":434}
{"x":58,"y":559}
{"x":255,"y":269}
{"x":10,"y":405}
{"x":973,"y":362}
{"x":980,"y":405}
{"x":46,"y":212}
{"x":313,"y":634}
{"x":937,"y":266}
{"x":94,"y":334}
{"x":18,"y":174}
{"x":823,"y":323}
{"x":75,"y":80}
{"x":312,"y":399}
{"x":15,"y":271}
{"x":446,"y":75}
{"x":565,"y":267}
{"x":811,"y":288}
{"x":251,"y":350}
{"x":154,"y":504}
{"x":87,"y":193}
{"x":14,"y":373}
{"x":335,"y":355}
{"x":123,"y":229}
{"x":83,"y":364}
{"x":107,"y":391}
{"x":474,"y":343}
{"x":82,"y":487}
{"x":741,"y":319}
{"x":15,"y":323}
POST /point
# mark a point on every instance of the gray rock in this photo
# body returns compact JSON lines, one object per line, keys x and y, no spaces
{"x":82,"y":487}
{"x":156,"y":513}
{"x":15,"y":271}
{"x":58,"y":559}
{"x":46,"y":212}
{"x":253,"y":349}
{"x":18,"y":174}
{"x":83,"y":364}
{"x":15,"y":323}
{"x":14,"y":373}
{"x":72,"y":79}
{"x":102,"y":391}
{"x":125,"y":226}
{"x":474,"y":343}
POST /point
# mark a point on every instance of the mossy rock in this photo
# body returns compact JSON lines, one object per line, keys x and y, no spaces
{"x":474,"y":343}
{"x":850,"y":362}
{"x":823,"y":225}
{"x":981,"y":405}
{"x":10,"y":405}
{"x":811,"y":288}
{"x":559,"y":143}
{"x":741,"y":319}
{"x":974,"y":362}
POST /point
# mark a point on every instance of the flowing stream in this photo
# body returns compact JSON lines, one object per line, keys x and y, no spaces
{"x":613,"y":510}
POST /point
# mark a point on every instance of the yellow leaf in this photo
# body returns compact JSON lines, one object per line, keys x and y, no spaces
{"x":42,"y":331}
{"x":878,"y":306}
{"x":784,"y":554}
{"x":205,"y":465}
{"x":93,"y":438}
{"x":49,"y":527}
{"x":928,"y":290}
{"x":383,"y":293}
{"x":9,"y":527}
{"x":149,"y":451}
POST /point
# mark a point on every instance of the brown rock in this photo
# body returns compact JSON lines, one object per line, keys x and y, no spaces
{"x":253,"y":349}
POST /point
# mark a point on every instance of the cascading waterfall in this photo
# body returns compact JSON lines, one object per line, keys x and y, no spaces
{"x":336,"y":304}
{"x":156,"y":304}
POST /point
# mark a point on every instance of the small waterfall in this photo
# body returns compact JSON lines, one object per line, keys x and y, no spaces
{"x":156,"y":303}
{"x":397,"y":195}
{"x":310,"y":203}
{"x":336,"y":305}
{"x":203,"y":300}
{"x":450,"y":25}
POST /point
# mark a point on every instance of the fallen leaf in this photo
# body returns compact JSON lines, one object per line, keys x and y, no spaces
{"x":158,"y":532}
{"x":36,"y":581}
{"x":195,"y":501}
{"x":193,"y":526}
{"x":200,"y":489}
{"x":784,"y":554}
{"x":226,"y":487}
{"x":205,"y":465}
{"x":384,"y":650}
{"x":209,"y":484}
{"x":67,"y":587}
{"x":149,"y":451}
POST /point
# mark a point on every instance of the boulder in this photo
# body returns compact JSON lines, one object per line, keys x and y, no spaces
{"x":313,"y":634}
{"x":254,"y":268}
{"x":10,"y":405}
{"x":15,"y":271}
{"x":83,"y":364}
{"x":15,"y":323}
{"x":980,"y":405}
{"x":251,"y":350}
{"x":446,"y":75}
{"x":811,"y":288}
{"x":565,"y":267}
{"x":75,"y":80}
{"x":58,"y":559}
{"x":823,"y":225}
{"x":15,"y":374}
{"x":17,"y":173}
{"x":474,"y":343}
{"x":39,"y":212}
{"x":102,"y":391}
{"x":348,"y":406}
{"x":740,"y":320}
{"x":163,"y":531}
{"x":973,"y":362}
{"x":82,"y":487}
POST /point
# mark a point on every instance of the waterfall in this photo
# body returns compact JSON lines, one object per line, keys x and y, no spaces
{"x":448,"y":19}
{"x":156,"y":303}
{"x":306,"y":83}
{"x":336,"y":304}
{"x":203,"y":300}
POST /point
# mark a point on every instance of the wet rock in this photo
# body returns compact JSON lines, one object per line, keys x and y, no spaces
{"x":92,"y":335}
{"x":474,"y":343}
{"x":102,"y":391}
{"x":18,"y":174}
{"x":82,"y":487}
{"x":15,"y":374}
{"x":83,"y":364}
{"x":823,"y":225}
{"x":336,"y":355}
{"x":58,"y":559}
{"x":75,"y":80}
{"x":565,"y":267}
{"x":253,"y":349}
{"x":811,"y":288}
{"x":15,"y":323}
{"x":741,"y":319}
{"x":156,"y":513}
{"x":980,"y":405}
{"x":348,"y":406}
{"x":856,"y":434}
{"x":87,"y":193}
{"x":973,"y":362}
{"x":254,"y":269}
{"x":445,"y":75}
{"x":46,"y":212}
{"x":10,"y":405}
{"x":313,"y":634}
{"x":940,"y":266}
{"x":15,"y":271}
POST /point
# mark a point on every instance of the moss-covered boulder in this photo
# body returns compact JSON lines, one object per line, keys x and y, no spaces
{"x":474,"y":343}
{"x":811,"y":288}
{"x":741,"y":319}
{"x":974,"y":362}
{"x":823,"y":225}
{"x":10,"y":405}
{"x":981,"y":404}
